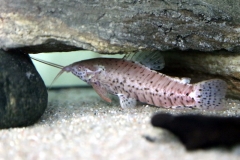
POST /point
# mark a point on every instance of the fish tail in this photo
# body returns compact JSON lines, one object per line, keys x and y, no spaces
{"x":210,"y":94}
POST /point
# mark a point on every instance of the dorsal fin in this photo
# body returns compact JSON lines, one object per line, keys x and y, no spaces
{"x":151,"y":59}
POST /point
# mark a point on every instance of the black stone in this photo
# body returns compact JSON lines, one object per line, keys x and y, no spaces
{"x":198,"y":131}
{"x":23,"y":95}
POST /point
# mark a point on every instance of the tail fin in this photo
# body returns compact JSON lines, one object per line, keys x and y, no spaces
{"x":210,"y":94}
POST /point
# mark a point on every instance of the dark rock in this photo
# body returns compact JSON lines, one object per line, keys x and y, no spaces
{"x":23,"y":95}
{"x":120,"y":26}
{"x":198,"y":131}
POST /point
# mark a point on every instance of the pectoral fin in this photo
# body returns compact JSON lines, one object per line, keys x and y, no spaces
{"x":126,"y":102}
{"x":101,"y":92}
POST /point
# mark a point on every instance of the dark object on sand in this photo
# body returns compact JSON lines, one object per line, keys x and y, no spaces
{"x":23,"y":95}
{"x":198,"y":131}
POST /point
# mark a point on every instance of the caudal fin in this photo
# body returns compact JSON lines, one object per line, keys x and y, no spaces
{"x":210,"y":94}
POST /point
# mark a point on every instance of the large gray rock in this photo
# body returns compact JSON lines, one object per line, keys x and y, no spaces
{"x":130,"y":25}
{"x":23,"y":95}
{"x":120,"y":26}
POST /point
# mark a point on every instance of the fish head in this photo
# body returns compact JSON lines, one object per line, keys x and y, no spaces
{"x":79,"y":69}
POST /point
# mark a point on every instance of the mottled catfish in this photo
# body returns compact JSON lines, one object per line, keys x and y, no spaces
{"x":134,"y":78}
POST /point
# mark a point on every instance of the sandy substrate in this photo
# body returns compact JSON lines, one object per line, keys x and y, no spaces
{"x":79,"y":125}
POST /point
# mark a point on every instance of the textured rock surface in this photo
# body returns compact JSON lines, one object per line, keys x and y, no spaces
{"x":23,"y":96}
{"x":120,"y":26}
{"x":128,"y":25}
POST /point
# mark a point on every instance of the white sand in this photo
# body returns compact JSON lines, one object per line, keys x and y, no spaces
{"x":79,"y":125}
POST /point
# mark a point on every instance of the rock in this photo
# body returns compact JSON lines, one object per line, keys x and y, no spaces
{"x":128,"y":26}
{"x":198,"y":131}
{"x":23,"y":95}
{"x":120,"y":26}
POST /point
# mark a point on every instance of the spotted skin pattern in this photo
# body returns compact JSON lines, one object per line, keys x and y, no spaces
{"x":131,"y":81}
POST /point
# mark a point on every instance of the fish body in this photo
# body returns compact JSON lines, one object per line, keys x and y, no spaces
{"x":132,"y":81}
{"x":134,"y":78}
